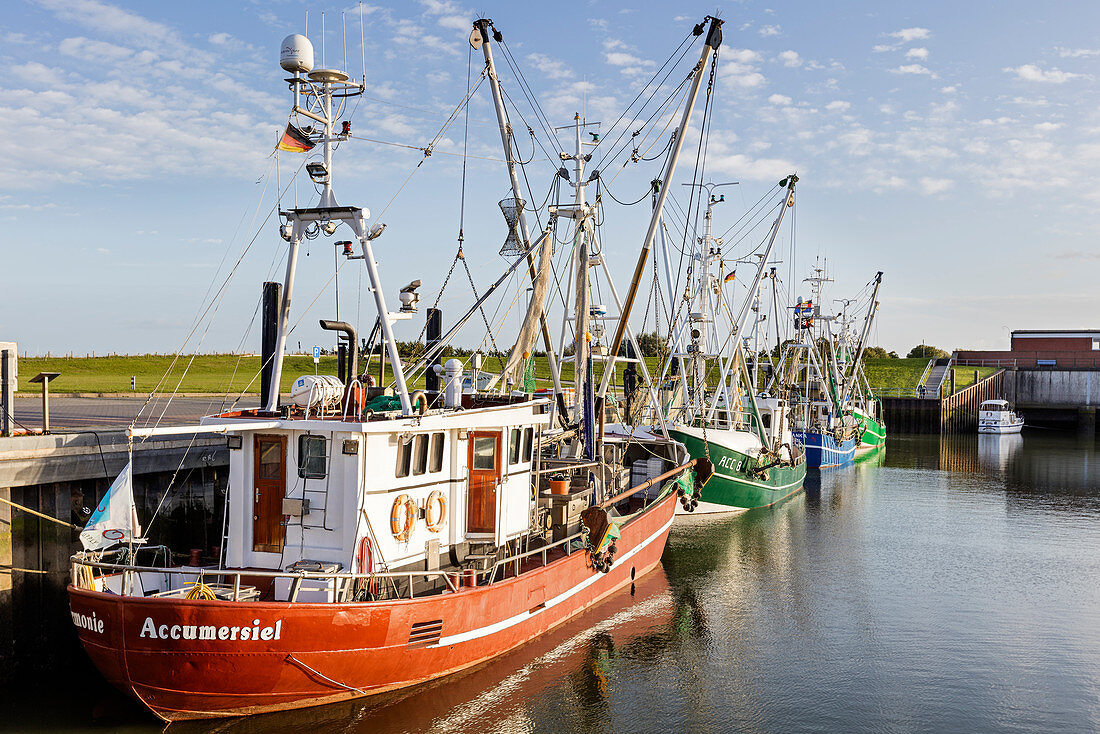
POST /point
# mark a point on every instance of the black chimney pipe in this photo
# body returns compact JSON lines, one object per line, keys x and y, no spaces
{"x":353,"y":346}
{"x":269,"y":334}
{"x":434,"y":333}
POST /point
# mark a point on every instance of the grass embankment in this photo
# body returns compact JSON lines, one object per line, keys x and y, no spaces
{"x":203,"y":373}
{"x":222,"y":373}
{"x":891,"y":375}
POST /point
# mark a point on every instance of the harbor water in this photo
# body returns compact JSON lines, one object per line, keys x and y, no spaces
{"x":945,"y":585}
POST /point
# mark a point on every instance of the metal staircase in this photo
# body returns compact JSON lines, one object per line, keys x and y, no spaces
{"x":934,"y":376}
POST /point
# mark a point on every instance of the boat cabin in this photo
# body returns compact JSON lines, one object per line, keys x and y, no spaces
{"x":315,"y":490}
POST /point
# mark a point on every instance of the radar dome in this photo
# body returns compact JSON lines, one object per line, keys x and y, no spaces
{"x":296,"y":54}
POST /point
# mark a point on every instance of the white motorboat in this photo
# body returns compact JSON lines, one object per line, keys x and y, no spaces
{"x":996,"y":416}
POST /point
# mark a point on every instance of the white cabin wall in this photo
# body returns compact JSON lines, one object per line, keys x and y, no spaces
{"x":380,"y":457}
{"x":320,"y":535}
{"x":459,"y":453}
{"x":514,"y":497}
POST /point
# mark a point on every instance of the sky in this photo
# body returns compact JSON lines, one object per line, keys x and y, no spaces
{"x":950,"y":145}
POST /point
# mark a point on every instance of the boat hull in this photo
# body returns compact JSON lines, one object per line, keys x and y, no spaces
{"x":1001,"y":428}
{"x":312,"y":654}
{"x":823,"y":451}
{"x":732,"y":485}
{"x":873,"y":434}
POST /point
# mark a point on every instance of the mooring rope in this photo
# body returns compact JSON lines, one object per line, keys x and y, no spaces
{"x":18,"y":506}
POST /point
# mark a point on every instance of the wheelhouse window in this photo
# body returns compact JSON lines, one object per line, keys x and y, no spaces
{"x":420,"y":454}
{"x":436,"y":462}
{"x":404,"y":458}
{"x":312,"y":457}
{"x":485,"y":449}
{"x":528,"y":442}
{"x":514,"y":447}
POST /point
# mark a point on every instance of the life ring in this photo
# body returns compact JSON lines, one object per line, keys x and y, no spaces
{"x":402,"y":518}
{"x":435,"y":522}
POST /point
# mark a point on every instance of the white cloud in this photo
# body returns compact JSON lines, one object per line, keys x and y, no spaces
{"x":740,"y":70}
{"x":1032,"y":73}
{"x":621,"y":58}
{"x":779,"y":100}
{"x":1048,"y":127}
{"x":95,"y":51}
{"x":838,"y":105}
{"x":882,"y":48}
{"x":1076,"y":53}
{"x":907,"y":35}
{"x":932,"y":186}
{"x":550,"y":67}
{"x":448,"y":14}
{"x":742,"y":56}
{"x":770,"y":30}
{"x":917,"y":53}
{"x":116,"y":21}
{"x":913,"y":69}
{"x":790,"y":59}
{"x":746,"y":168}
{"x":949,"y":90}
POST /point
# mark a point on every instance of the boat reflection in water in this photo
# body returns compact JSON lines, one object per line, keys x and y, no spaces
{"x":996,"y":449}
{"x":569,"y":673}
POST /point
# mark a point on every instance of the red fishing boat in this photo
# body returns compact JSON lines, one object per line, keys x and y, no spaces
{"x":377,"y":537}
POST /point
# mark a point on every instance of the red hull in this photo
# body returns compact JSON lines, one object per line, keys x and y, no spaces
{"x":311,"y":654}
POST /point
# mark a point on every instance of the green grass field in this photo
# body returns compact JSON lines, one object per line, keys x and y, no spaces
{"x":234,"y":374}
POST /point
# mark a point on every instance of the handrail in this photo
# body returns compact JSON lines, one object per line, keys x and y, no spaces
{"x":526,"y":554}
{"x":927,"y":369}
{"x":647,"y":484}
{"x":347,"y":398}
{"x":236,"y":574}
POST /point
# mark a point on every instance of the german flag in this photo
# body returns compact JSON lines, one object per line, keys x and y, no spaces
{"x":731,"y":276}
{"x":294,"y":141}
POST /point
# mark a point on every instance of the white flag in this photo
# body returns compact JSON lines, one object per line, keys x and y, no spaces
{"x":115,"y":520}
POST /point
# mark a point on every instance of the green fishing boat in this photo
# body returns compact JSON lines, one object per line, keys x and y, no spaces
{"x":746,"y":437}
{"x":745,"y":475}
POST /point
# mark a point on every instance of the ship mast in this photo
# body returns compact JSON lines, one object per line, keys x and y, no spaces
{"x":872,"y":309}
{"x":714,"y":40}
{"x":319,"y":88}
{"x":482,"y":37}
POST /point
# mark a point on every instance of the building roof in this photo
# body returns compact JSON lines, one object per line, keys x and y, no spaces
{"x":1050,"y":334}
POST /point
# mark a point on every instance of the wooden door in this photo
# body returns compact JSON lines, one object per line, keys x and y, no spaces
{"x":484,"y":465}
{"x":268,"y":490}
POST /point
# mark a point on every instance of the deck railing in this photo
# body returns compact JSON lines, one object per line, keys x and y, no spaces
{"x":226,"y":583}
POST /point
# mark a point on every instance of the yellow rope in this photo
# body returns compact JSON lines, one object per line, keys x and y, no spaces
{"x":199,"y":590}
{"x":85,"y":579}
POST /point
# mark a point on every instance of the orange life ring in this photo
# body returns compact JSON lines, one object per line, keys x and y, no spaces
{"x":401,"y":527}
{"x":436,"y":498}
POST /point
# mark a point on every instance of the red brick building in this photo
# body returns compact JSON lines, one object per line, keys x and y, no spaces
{"x":1041,"y":348}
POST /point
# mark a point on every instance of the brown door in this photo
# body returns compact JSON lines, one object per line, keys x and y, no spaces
{"x":269,"y":487}
{"x":483,"y":462}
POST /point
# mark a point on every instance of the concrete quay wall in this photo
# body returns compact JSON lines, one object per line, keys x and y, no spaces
{"x":1057,"y":397}
{"x":64,"y":476}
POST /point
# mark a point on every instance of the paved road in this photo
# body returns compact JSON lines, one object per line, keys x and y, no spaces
{"x":78,"y":413}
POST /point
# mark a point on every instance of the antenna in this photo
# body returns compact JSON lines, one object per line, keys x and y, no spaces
{"x":362,"y":43}
{"x":344,"y":33}
{"x":305,"y":31}
{"x":323,"y":66}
